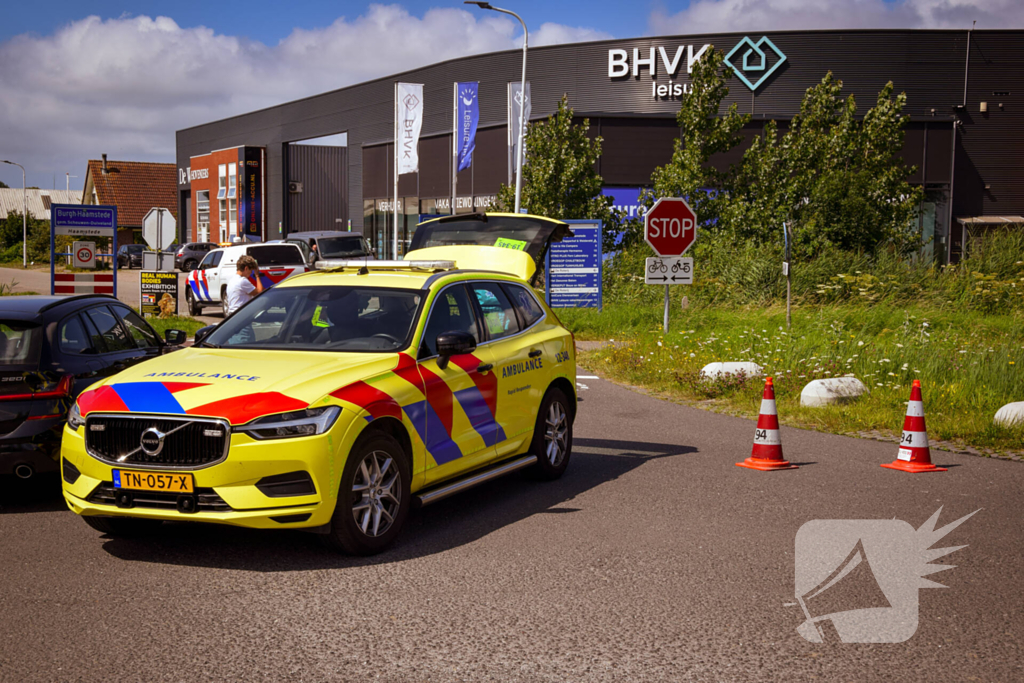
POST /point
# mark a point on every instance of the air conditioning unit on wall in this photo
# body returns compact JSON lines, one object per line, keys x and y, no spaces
{"x":294,"y":187}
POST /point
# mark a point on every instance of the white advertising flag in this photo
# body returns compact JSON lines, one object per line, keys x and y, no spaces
{"x":514,"y":102}
{"x":409,"y":115}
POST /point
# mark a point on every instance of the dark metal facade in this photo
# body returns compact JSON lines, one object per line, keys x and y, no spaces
{"x":322,"y":203}
{"x":930,"y":66}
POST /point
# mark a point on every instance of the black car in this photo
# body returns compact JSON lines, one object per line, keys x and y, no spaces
{"x":51,"y":349}
{"x":130,"y":255}
{"x":331,"y":244}
{"x":191,"y":255}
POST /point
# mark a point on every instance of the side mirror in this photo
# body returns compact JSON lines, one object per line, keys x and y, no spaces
{"x":203,"y":332}
{"x":454,"y":343}
{"x":175,"y":337}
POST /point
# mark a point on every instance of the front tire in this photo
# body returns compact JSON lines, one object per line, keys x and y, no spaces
{"x":552,"y":436}
{"x":123,"y":527}
{"x":373,"y":497}
{"x":224,"y":302}
{"x":194,"y":308}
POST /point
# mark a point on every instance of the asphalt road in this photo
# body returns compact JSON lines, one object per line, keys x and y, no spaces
{"x":38,"y":281}
{"x":654,"y":558}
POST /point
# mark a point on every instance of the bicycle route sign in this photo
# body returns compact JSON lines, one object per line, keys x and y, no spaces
{"x":668,"y":270}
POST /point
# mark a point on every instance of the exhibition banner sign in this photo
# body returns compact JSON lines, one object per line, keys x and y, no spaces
{"x":158,"y":294}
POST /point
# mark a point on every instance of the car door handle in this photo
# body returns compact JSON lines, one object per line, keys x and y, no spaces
{"x":484,"y":367}
{"x":535,"y":353}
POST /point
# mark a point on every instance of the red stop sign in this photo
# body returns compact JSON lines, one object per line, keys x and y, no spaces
{"x":670,"y":227}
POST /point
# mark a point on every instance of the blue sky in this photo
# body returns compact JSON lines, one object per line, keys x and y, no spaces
{"x":78,"y":79}
{"x":271,"y":21}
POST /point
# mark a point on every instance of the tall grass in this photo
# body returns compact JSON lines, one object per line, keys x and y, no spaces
{"x":989,"y":279}
{"x":884,"y":319}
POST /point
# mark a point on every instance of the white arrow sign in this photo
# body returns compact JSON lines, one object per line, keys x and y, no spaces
{"x":668,"y":270}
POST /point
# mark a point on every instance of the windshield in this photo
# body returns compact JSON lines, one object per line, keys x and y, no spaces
{"x":19,"y":343}
{"x":276,"y":255}
{"x":337,"y":247}
{"x":322,"y":319}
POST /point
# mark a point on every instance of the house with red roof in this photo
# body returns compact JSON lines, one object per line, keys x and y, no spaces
{"x":134,"y":187}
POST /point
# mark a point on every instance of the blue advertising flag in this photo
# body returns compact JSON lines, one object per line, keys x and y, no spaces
{"x":468,"y":118}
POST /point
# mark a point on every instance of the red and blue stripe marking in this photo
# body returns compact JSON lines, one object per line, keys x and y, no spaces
{"x":158,"y":397}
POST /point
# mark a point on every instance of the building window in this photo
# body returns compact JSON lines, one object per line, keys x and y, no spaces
{"x":233,"y":216}
{"x":203,"y":215}
{"x":232,"y":181}
{"x":222,"y":179}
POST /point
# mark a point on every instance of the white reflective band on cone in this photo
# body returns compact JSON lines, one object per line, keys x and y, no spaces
{"x":768,"y":406}
{"x":915,"y":409}
{"x":914,"y":440}
{"x":770,"y":438}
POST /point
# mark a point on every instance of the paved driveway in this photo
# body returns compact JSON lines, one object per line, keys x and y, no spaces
{"x":655,"y":558}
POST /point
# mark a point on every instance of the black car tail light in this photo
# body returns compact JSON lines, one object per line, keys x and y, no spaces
{"x":62,"y":389}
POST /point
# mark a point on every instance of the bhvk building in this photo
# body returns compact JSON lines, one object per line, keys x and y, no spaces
{"x":326,"y":162}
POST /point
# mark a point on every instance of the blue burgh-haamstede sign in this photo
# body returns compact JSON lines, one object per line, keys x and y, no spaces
{"x":574,"y":268}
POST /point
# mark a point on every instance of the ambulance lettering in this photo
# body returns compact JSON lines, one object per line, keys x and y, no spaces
{"x":518,"y":368}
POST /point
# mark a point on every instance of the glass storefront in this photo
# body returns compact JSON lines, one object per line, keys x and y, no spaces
{"x":378,"y":225}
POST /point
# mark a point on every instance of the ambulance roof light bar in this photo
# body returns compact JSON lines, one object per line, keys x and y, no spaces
{"x":341,"y":264}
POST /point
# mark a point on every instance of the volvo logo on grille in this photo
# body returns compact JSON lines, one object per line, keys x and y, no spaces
{"x":152,"y":441}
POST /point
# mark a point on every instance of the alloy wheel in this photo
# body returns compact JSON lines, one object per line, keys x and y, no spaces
{"x":556,"y":434}
{"x":377,"y":490}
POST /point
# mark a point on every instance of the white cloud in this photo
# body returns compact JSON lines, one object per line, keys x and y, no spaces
{"x":716,"y":16}
{"x":123,"y":86}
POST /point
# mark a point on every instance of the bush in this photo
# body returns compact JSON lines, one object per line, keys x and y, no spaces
{"x":747,"y":273}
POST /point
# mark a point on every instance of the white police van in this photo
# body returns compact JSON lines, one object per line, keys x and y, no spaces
{"x":207,"y":285}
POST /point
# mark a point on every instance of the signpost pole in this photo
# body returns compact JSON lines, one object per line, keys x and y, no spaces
{"x":666,"y":309}
{"x":789,"y":320}
{"x":113,"y":255}
{"x":53,"y":249}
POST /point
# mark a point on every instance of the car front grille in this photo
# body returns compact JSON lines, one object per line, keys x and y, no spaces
{"x":207,"y":499}
{"x":188,"y":442}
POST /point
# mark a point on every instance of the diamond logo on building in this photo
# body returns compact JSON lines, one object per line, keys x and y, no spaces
{"x":755,"y":61}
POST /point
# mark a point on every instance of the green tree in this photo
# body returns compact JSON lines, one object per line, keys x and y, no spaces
{"x":38,"y":238}
{"x":559,"y":176}
{"x":836,"y":178}
{"x":703,"y":133}
{"x":3,"y":184}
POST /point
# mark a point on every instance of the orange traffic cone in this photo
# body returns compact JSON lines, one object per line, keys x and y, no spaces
{"x":767,"y":451}
{"x":914,"y":455}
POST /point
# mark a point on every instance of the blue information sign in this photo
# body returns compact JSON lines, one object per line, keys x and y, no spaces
{"x":82,"y":220}
{"x":574,"y":268}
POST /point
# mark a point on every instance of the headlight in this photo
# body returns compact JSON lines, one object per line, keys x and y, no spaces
{"x":309,"y":422}
{"x":75,"y":417}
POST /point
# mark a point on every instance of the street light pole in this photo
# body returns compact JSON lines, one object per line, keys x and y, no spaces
{"x":24,"y":214}
{"x":522,"y":93}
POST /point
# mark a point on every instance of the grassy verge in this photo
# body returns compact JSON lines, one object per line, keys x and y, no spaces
{"x":189,"y":325}
{"x":970,"y":364}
